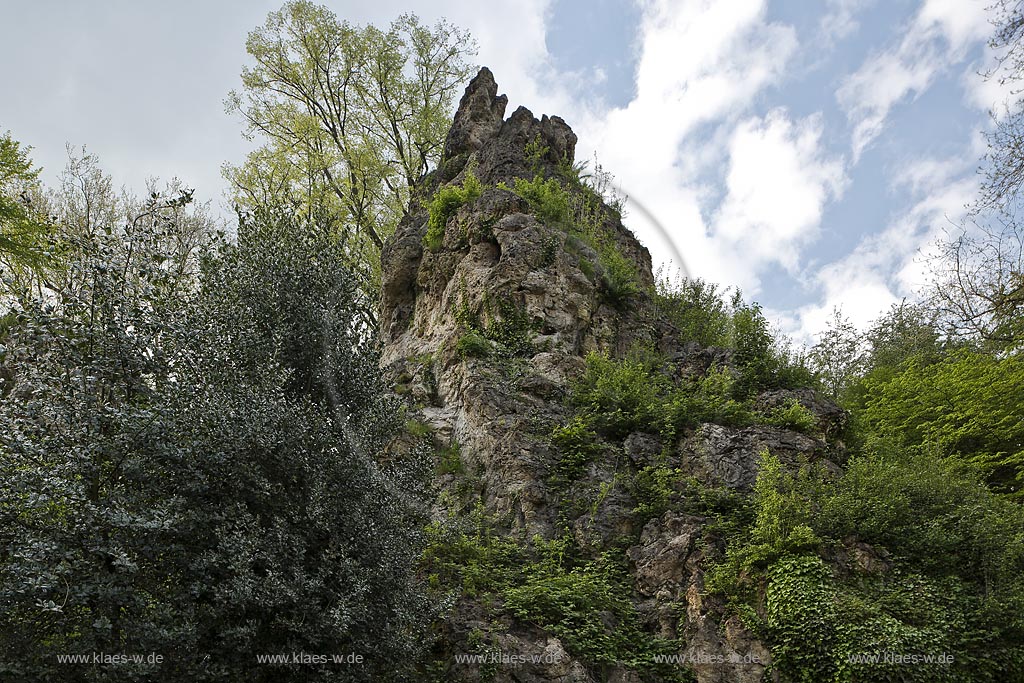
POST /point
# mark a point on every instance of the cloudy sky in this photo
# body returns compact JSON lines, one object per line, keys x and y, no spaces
{"x":807,"y":152}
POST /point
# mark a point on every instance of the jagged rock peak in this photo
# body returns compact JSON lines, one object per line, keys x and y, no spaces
{"x":496,"y":241}
{"x":480,"y":115}
{"x":479,"y":121}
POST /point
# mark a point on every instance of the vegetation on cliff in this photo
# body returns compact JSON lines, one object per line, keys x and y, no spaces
{"x":430,"y":401}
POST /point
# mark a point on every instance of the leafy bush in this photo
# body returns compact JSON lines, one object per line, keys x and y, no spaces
{"x":754,"y":344}
{"x":193,"y":469}
{"x":619,"y":397}
{"x":445,"y":202}
{"x":548,"y":199}
{"x":653,"y":488}
{"x":450,"y":460}
{"x":783,"y":507}
{"x":620,"y":279}
{"x":472,"y":344}
{"x":793,"y":416}
{"x":699,"y":310}
{"x":575,"y":602}
{"x":709,"y":399}
{"x":502,"y":329}
{"x":634,"y":394}
{"x":587,"y":268}
{"x":695,"y":307}
{"x":418,"y":429}
{"x":930,"y":511}
{"x":576,"y":446}
{"x":545,"y":582}
{"x":470,"y":557}
{"x":957,"y":556}
{"x":966,"y":406}
{"x":765,"y":362}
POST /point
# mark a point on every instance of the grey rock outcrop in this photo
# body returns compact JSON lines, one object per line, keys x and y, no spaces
{"x":727,"y":456}
{"x":545,"y":296}
{"x":480,"y":115}
{"x":494,"y":250}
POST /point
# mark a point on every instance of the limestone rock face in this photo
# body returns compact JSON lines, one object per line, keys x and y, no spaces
{"x":669,"y":569}
{"x":479,"y":117}
{"x":496,"y":254}
{"x":721,"y":456}
{"x":487,"y":331}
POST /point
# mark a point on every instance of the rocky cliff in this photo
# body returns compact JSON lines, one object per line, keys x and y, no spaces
{"x":571,"y":535}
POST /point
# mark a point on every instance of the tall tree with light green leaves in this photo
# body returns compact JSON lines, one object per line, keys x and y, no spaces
{"x":350,"y":118}
{"x":23,"y":227}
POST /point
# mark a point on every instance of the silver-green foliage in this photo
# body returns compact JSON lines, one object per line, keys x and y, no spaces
{"x":187,"y":464}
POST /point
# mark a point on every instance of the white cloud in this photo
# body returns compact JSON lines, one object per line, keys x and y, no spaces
{"x":888,"y":266}
{"x":778,"y":182}
{"x":962,"y":22}
{"x":511,"y":36}
{"x":937,"y":38}
{"x":989,"y":85}
{"x":840,"y":19}
{"x":701,"y":65}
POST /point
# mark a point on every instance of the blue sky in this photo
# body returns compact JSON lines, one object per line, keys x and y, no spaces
{"x":809,"y":153}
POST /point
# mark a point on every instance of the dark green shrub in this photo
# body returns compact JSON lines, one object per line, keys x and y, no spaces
{"x":502,"y":329}
{"x":753,"y":343}
{"x":709,"y":399}
{"x":585,"y":604}
{"x":617,"y":397}
{"x":620,"y":279}
{"x":549,"y":250}
{"x":576,"y":446}
{"x":653,"y":488}
{"x":957,"y":561}
{"x":587,"y":268}
{"x":450,"y":460}
{"x":622,"y":396}
{"x":418,"y":429}
{"x":472,"y":344}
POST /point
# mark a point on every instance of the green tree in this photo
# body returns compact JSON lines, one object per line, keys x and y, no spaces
{"x":189,"y":459}
{"x":907,"y":331}
{"x":23,"y":228}
{"x":966,"y":405}
{"x":695,"y":307}
{"x":838,"y":357}
{"x":87,"y":508}
{"x":765,"y":359}
{"x":352,"y":117}
{"x":944,"y":575}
